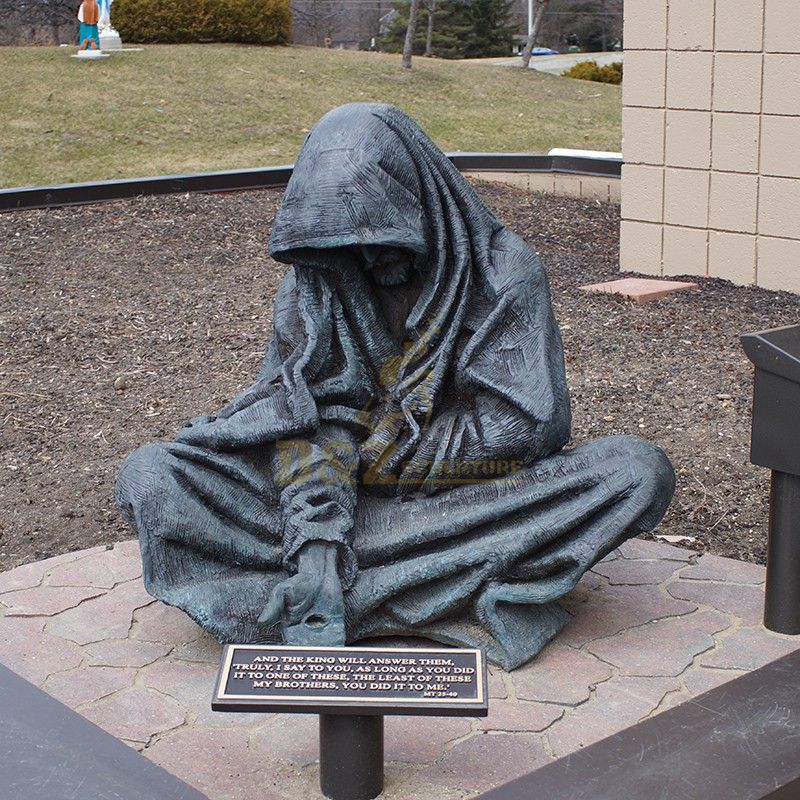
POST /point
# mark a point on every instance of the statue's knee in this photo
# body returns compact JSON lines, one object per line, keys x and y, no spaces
{"x":653,"y":462}
{"x":143,"y":471}
{"x":651,"y":470}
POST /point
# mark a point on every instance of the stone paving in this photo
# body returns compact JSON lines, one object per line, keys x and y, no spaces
{"x":654,"y":626}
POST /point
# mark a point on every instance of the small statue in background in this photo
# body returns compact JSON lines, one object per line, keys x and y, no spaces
{"x":89,"y":16}
{"x":109,"y":36}
{"x":104,"y":22}
{"x":397,"y":468}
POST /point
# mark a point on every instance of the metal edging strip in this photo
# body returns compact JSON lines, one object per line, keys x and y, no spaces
{"x":71,"y":194}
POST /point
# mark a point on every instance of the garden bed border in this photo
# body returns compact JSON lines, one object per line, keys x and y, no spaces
{"x":514,"y":168}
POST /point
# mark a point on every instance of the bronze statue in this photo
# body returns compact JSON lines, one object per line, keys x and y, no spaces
{"x":397,"y":466}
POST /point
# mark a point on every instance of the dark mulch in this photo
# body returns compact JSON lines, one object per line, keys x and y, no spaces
{"x":122,"y":320}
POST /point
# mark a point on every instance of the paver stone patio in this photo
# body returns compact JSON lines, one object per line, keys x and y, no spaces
{"x":655,"y":626}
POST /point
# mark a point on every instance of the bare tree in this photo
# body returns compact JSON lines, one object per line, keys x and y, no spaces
{"x":38,"y":21}
{"x":592,"y":24}
{"x":540,"y":6}
{"x":408,"y":46}
{"x":317,"y":20}
{"x":430,"y":6}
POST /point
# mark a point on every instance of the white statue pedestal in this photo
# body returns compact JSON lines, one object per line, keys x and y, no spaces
{"x":110,"y":41}
{"x":90,"y":55}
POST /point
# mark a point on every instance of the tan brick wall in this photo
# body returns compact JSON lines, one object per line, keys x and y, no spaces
{"x":711,"y":140}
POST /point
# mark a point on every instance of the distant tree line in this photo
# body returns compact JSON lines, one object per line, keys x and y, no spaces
{"x":454,"y":28}
{"x":592,"y":25}
{"x":338,"y":23}
{"x":38,"y":21}
{"x":588,"y":24}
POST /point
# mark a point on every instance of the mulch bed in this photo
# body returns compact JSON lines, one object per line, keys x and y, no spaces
{"x":122,"y":320}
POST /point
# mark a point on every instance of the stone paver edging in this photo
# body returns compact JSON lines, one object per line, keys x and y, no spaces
{"x":654,"y":626}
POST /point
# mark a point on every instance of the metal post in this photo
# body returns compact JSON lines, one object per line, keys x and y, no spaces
{"x":350,"y":756}
{"x":782,"y":603}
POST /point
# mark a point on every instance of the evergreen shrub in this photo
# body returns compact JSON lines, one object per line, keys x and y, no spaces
{"x":590,"y":71}
{"x":183,"y":21}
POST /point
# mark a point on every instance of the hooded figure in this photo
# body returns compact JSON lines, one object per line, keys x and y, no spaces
{"x":397,"y":467}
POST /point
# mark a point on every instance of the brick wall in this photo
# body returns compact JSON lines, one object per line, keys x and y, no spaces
{"x":711,"y":140}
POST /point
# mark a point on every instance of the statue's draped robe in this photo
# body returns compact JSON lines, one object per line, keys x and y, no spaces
{"x":434,"y":463}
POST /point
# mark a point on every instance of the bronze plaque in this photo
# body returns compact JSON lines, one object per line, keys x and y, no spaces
{"x":352,"y":680}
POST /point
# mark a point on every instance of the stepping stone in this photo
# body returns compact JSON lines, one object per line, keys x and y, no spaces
{"x":640,"y":290}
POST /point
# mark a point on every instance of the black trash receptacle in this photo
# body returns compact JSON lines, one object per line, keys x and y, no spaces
{"x":776,"y":444}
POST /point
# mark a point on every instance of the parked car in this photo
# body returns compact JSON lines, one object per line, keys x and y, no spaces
{"x":544,"y":51}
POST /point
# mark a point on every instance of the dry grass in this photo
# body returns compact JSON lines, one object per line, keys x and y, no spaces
{"x":186,"y":108}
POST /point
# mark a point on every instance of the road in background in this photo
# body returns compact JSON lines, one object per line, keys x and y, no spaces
{"x":555,"y":65}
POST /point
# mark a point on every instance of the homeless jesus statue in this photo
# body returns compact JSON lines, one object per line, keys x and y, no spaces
{"x":397,"y":466}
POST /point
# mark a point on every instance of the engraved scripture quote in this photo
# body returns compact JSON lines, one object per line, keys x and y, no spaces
{"x":352,"y":675}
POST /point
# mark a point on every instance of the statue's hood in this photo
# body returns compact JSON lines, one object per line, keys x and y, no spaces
{"x":355,"y":183}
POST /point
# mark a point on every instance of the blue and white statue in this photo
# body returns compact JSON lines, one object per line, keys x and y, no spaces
{"x":109,"y":38}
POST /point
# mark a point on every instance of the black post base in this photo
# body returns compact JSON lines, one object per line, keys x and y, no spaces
{"x":350,"y":756}
{"x":782,"y":602}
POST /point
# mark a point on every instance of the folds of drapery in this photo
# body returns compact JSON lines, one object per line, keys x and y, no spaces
{"x":483,"y":563}
{"x":482,"y":324}
{"x":480,"y":375}
{"x":432,"y":463}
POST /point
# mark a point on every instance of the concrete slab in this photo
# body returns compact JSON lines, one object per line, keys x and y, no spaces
{"x":640,"y":290}
{"x":90,"y":55}
{"x":655,"y":625}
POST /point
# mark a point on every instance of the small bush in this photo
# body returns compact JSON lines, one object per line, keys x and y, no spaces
{"x":590,"y":71}
{"x":183,"y":21}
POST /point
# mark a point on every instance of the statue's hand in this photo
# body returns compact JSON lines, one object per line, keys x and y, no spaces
{"x":310,"y":605}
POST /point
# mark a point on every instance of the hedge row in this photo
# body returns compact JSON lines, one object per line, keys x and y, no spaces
{"x":181,"y":21}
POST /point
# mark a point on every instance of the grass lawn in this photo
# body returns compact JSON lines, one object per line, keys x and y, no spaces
{"x":189,"y":108}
